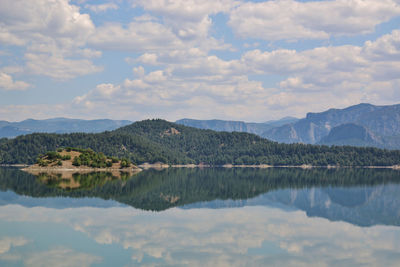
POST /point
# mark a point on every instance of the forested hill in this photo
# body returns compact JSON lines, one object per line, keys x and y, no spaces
{"x":162,"y":141}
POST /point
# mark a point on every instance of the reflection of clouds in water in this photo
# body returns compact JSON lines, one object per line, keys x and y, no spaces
{"x":61,"y":257}
{"x":237,"y":236}
{"x":7,"y":242}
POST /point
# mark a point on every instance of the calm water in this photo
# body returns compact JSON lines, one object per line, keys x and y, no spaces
{"x":194,"y":217}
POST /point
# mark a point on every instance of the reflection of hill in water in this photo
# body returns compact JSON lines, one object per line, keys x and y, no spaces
{"x":360,"y":196}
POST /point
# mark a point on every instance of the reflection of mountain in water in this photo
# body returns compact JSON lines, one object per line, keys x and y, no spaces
{"x":361,"y":205}
{"x":360,"y":196}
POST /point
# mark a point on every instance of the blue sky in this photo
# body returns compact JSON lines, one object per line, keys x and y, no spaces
{"x":204,"y":59}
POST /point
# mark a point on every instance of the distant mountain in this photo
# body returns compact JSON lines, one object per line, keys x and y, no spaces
{"x":236,"y":126}
{"x":351,"y":134}
{"x":361,"y":125}
{"x":58,"y":125}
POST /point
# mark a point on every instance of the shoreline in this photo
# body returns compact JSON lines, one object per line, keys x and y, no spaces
{"x":79,"y":169}
{"x":260,"y":166}
{"x":146,"y":166}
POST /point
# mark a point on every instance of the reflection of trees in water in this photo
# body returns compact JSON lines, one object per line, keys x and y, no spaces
{"x":160,"y":190}
{"x":80,"y":180}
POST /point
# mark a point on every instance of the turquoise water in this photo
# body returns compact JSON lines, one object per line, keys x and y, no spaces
{"x":204,"y":217}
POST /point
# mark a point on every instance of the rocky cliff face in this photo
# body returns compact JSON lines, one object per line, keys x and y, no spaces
{"x":351,"y":134}
{"x":235,"y":126}
{"x":363,"y":124}
{"x":216,"y":125}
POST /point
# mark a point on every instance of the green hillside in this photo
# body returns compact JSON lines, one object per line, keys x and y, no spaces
{"x":162,"y":141}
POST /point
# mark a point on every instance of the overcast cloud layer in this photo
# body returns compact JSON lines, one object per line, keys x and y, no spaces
{"x":244,"y":60}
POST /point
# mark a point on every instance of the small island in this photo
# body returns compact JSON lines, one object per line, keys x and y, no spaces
{"x":79,"y":160}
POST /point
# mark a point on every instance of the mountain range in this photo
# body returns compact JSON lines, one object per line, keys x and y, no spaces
{"x":237,"y":126}
{"x":359,"y":125}
{"x":58,"y":125}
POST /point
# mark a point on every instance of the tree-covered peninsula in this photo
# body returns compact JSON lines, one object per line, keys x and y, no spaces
{"x":161,"y":141}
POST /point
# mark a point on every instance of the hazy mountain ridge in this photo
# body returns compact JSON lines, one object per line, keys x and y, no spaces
{"x":58,"y":125}
{"x":236,"y":126}
{"x":360,"y":125}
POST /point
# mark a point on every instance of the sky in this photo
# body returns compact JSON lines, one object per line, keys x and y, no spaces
{"x":201,"y":59}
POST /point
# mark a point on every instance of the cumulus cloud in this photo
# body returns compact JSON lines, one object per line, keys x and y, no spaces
{"x":171,"y":51}
{"x":188,"y":83}
{"x":7,"y":83}
{"x":53,"y":31}
{"x":386,"y":48}
{"x":191,"y":82}
{"x":62,"y":257}
{"x":138,"y":36}
{"x":190,"y":20}
{"x":58,"y":67}
{"x":294,"y":20}
{"x":44,"y":18}
{"x":102,"y":7}
{"x":177,"y":27}
{"x":366,"y":73}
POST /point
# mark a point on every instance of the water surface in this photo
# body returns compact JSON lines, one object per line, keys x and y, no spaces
{"x":202,"y":217}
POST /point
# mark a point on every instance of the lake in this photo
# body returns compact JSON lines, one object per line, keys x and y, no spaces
{"x":202,"y":217}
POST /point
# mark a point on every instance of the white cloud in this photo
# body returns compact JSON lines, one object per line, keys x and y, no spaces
{"x":52,"y":32}
{"x":191,"y":83}
{"x":175,"y":72}
{"x":188,"y":10}
{"x":138,"y":71}
{"x":7,"y":83}
{"x":38,"y":20}
{"x":102,"y":7}
{"x":190,"y":19}
{"x":333,"y":76}
{"x":386,"y":48}
{"x":61,"y":257}
{"x":293,"y":20}
{"x":58,"y":67}
{"x":137,"y":36}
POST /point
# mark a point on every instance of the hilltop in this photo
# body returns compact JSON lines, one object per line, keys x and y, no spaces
{"x":162,"y":141}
